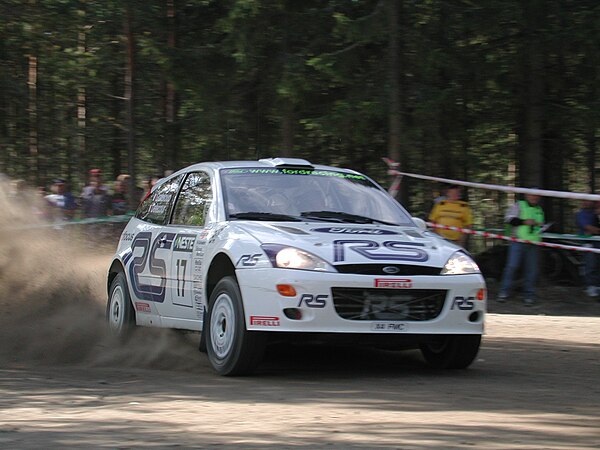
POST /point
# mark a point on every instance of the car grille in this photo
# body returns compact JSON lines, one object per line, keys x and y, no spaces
{"x":388,"y":304}
{"x":377,"y":269}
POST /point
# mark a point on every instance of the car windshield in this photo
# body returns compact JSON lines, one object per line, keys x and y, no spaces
{"x":308,"y":195}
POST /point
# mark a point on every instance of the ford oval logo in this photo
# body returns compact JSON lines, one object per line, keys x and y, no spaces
{"x":390,"y":270}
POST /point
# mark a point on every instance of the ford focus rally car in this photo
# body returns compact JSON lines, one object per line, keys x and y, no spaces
{"x":254,"y":251}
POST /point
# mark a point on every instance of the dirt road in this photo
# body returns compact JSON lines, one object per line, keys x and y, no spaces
{"x":65,"y":384}
{"x":534,"y":385}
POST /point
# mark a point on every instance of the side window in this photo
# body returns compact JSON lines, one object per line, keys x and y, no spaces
{"x":156,"y":208}
{"x":194,"y":200}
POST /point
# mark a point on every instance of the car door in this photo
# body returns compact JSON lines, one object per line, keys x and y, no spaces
{"x":151,"y":244}
{"x":188,"y":223}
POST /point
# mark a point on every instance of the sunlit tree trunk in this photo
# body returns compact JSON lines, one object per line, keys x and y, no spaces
{"x":397,"y":148}
{"x":34,"y":161}
{"x":395,"y":114}
{"x":115,"y":141}
{"x":287,"y":110}
{"x":82,"y":109}
{"x":171,"y":132}
{"x":129,"y":101}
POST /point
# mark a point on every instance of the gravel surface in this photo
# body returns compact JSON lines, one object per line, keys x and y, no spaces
{"x":65,"y":384}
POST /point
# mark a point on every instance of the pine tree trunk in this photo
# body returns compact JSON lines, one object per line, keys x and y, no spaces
{"x":533,"y":109}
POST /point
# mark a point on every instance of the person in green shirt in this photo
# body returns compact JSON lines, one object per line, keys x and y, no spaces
{"x":526,"y":218}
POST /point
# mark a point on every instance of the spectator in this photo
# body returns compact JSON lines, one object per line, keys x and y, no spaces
{"x":119,"y":197}
{"x":526,"y":218}
{"x":61,"y":201}
{"x":95,"y":200}
{"x":18,"y":189}
{"x":453,"y":212}
{"x":146,"y":188}
{"x":588,"y":225}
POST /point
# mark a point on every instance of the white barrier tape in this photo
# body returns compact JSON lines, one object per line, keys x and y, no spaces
{"x":496,"y":187}
{"x":513,"y":239}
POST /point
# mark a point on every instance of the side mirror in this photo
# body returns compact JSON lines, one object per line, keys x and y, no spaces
{"x":420,"y":223}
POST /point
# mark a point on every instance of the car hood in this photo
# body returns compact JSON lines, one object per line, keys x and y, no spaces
{"x":355,"y":243}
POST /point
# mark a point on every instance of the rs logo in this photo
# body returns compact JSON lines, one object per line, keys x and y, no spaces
{"x":249,"y":260}
{"x":313,"y":301}
{"x":157,"y":266}
{"x":464,"y":304}
{"x":396,"y":250}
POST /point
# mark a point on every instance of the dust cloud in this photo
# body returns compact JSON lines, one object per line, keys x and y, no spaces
{"x":53,"y":295}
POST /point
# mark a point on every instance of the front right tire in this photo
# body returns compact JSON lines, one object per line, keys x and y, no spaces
{"x":451,"y":351}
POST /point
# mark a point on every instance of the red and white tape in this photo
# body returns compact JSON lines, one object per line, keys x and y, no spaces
{"x":513,"y":239}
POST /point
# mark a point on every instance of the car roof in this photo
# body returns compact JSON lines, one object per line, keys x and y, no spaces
{"x":265,"y":162}
{"x":271,"y":162}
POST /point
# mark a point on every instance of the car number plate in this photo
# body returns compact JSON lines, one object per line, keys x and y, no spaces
{"x":392,"y":327}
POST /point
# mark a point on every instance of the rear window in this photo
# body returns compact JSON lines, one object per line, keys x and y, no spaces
{"x":157,"y":207}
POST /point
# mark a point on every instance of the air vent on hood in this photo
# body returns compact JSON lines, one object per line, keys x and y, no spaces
{"x":291,"y":230}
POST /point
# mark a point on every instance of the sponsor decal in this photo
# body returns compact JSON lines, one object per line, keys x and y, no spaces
{"x":264,"y":321}
{"x":142,"y":307}
{"x":278,"y":171}
{"x":313,"y":301}
{"x":158,"y":209}
{"x":352,"y":230}
{"x":463,"y":304}
{"x":163,"y":198}
{"x":215,"y":234}
{"x":393,"y":327}
{"x":393,"y":283}
{"x":127,"y":236}
{"x":184,"y":243}
{"x":249,"y":260}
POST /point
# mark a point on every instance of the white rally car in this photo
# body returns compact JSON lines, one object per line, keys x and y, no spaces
{"x":255,"y":251}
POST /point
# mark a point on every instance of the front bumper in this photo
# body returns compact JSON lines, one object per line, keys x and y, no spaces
{"x":459,"y":311}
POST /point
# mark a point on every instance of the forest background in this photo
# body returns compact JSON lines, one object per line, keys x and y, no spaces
{"x":493,"y":91}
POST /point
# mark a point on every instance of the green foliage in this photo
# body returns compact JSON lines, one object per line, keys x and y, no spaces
{"x":235,"y":71}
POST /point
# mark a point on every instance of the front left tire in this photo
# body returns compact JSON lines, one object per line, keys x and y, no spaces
{"x":232,"y":350}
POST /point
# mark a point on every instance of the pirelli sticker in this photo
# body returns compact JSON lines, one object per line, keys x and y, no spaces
{"x":393,"y":283}
{"x":264,"y":321}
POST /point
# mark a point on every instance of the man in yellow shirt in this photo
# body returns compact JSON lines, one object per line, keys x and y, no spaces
{"x":453,"y":212}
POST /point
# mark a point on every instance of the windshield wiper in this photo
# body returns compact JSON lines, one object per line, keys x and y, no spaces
{"x":342,"y":217}
{"x":255,"y":215}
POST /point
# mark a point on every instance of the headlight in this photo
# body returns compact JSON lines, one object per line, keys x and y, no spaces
{"x":460,"y":264}
{"x":294,"y":258}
